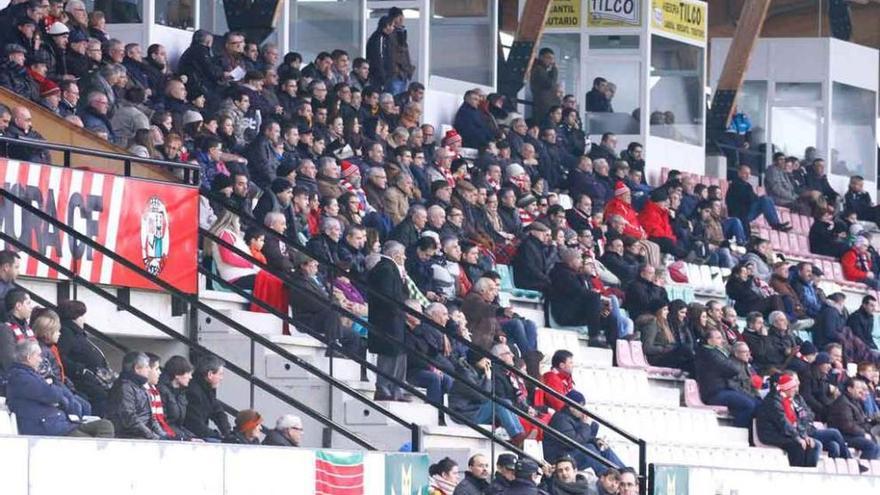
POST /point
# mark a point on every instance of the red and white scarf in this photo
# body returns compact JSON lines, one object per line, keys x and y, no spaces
{"x":158,"y":410}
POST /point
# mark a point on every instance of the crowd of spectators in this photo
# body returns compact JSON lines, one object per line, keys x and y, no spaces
{"x":332,"y":156}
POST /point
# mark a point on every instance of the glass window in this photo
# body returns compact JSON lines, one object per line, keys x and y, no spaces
{"x":326,"y":25}
{"x":853,"y":145}
{"x":413,"y":31}
{"x":212,"y":16}
{"x":798,"y":93}
{"x":676,"y":82}
{"x":614,"y":42}
{"x":176,"y":13}
{"x":794,"y":128}
{"x":120,"y":11}
{"x":621,"y":90}
{"x":461,"y":40}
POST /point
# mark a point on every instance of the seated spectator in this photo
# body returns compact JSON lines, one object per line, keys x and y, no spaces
{"x":444,"y":476}
{"x":778,"y":345}
{"x":429,"y":341}
{"x":505,"y":473}
{"x":760,"y":254}
{"x":203,"y":405}
{"x":14,"y":76}
{"x":570,"y":300}
{"x":826,"y":237}
{"x":247,"y":428}
{"x":815,"y":389}
{"x":817,"y":180}
{"x":18,"y":307}
{"x":575,"y":425}
{"x":831,"y":439}
{"x":857,"y":264}
{"x":847,"y":415}
{"x":803,"y":281}
{"x":665,"y":344}
{"x":84,"y":363}
{"x":46,"y":326}
{"x":566,"y":479}
{"x":621,"y":205}
{"x":859,"y":201}
{"x":288,"y":432}
{"x":476,"y":371}
{"x":779,"y":282}
{"x":531,"y":263}
{"x":777,"y":425}
{"x":42,"y":408}
{"x":128,"y":403}
{"x":231,"y":265}
{"x":743,"y":203}
{"x":715,"y":370}
{"x":510,"y":387}
{"x":410,"y":229}
{"x":777,"y":181}
{"x":173,"y":382}
{"x":861,"y":321}
{"x":750,"y":293}
{"x":621,"y":263}
{"x":559,"y":377}
{"x":645,"y":295}
{"x":22,"y":127}
{"x":656,"y":221}
{"x":476,"y":478}
{"x":801,"y":362}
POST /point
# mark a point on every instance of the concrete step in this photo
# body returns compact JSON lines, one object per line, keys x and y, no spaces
{"x":727,"y":457}
{"x":262,"y":323}
{"x":357,"y":413}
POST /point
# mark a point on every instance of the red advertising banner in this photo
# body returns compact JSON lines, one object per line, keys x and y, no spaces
{"x":152,"y":224}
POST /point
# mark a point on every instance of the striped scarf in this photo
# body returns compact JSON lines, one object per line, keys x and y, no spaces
{"x":158,"y":410}
{"x":415,"y":293}
{"x":525,"y":217}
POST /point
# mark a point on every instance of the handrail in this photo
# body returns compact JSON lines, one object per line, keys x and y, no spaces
{"x":411,"y":351}
{"x":161,"y":326}
{"x":424,"y":319}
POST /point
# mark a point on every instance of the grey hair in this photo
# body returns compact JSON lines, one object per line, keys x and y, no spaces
{"x":386,"y":97}
{"x":433,"y":308}
{"x":73,"y":4}
{"x":288,"y":421}
{"x":434,"y":209}
{"x":134,"y":360}
{"x":393,"y":248}
{"x":740,"y":344}
{"x":374,"y":171}
{"x":568,"y":254}
{"x":93,"y":95}
{"x":483,"y":284}
{"x":107,"y":71}
{"x":326,"y":161}
{"x":772,"y":317}
{"x":24,"y":350}
{"x":416,"y":209}
{"x":328,"y":223}
{"x":448,"y":241}
{"x":271,"y":217}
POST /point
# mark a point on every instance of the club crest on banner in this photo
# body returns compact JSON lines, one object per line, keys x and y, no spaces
{"x":155,"y":235}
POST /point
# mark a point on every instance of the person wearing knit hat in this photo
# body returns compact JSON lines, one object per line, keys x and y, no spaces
{"x":621,"y":204}
{"x":247,"y":428}
{"x":50,"y":95}
{"x":620,"y":188}
{"x":191,"y":117}
{"x":349,"y":169}
{"x":451,"y":139}
{"x":777,"y":424}
{"x":286,"y":170}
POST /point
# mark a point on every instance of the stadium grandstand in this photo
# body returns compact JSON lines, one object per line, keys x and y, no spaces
{"x":445,"y":247}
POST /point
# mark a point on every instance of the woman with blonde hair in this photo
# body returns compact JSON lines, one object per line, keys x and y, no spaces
{"x":46,"y":325}
{"x":231,"y":266}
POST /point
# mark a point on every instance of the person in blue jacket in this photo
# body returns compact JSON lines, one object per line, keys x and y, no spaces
{"x":42,"y":408}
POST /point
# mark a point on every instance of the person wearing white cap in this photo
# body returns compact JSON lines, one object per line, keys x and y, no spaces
{"x":288,"y":432}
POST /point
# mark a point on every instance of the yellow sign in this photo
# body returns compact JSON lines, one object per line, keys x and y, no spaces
{"x":685,"y":18}
{"x":613,"y":13}
{"x":564,"y":14}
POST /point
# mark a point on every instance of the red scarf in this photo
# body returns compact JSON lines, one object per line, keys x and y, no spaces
{"x":158,"y":410}
{"x":788,"y":408}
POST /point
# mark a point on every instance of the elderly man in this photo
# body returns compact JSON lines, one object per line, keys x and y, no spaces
{"x":476,"y":478}
{"x":42,"y":408}
{"x":288,"y":432}
{"x":429,"y":342}
{"x":278,"y":199}
{"x":472,"y":123}
{"x":644,"y":293}
{"x":128,"y":403}
{"x":95,"y":118}
{"x":410,"y":229}
{"x":778,"y":346}
{"x":776,"y":422}
{"x":386,"y":318}
{"x":571,"y":301}
{"x":715,"y":371}
{"x":22,"y":127}
{"x":325,"y":246}
{"x":531,"y":264}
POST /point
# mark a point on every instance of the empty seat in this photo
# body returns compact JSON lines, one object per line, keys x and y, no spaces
{"x":506,"y":274}
{"x":843,"y":466}
{"x":853,"y":465}
{"x":638,"y":357}
{"x":692,"y":397}
{"x":623,"y":353}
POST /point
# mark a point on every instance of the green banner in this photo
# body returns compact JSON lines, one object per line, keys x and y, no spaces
{"x":406,"y":474}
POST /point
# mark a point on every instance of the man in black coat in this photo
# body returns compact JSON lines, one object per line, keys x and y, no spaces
{"x":379,"y":53}
{"x":21,"y":127}
{"x":128,"y":404}
{"x":626,"y":268}
{"x":567,"y":481}
{"x":572,"y":303}
{"x":815,"y":388}
{"x":505,"y":473}
{"x":203,"y":405}
{"x":203,"y":73}
{"x":644,"y":293}
{"x":262,"y":154}
{"x":848,"y":416}
{"x":579,"y":428}
{"x":714,"y":372}
{"x":277,"y":199}
{"x":83,"y":361}
{"x":776,"y":425}
{"x":386,"y":318}
{"x":408,"y":231}
{"x":528,"y":477}
{"x":288,"y":432}
{"x":310,"y":303}
{"x":743,"y":203}
{"x":861,"y":321}
{"x":531,"y":268}
{"x":476,"y":478}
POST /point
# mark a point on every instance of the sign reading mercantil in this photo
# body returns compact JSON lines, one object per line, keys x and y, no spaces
{"x":564,"y":14}
{"x":613,"y":13}
{"x":684,"y":18}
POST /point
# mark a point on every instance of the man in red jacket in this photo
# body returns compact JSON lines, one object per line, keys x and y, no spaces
{"x":559,"y":378}
{"x":622,"y":205}
{"x":658,"y":225}
{"x":856,"y":264}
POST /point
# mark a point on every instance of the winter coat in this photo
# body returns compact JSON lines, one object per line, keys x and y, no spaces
{"x":620,"y":207}
{"x":482,"y":320}
{"x":762,"y":267}
{"x":128,"y":407}
{"x":571,"y":302}
{"x":386,"y":317}
{"x":772,"y":426}
{"x":473,"y":126}
{"x":40,"y":408}
{"x":740,"y":197}
{"x":714,"y":370}
{"x":746,"y":299}
{"x":824,"y":240}
{"x":570,"y":427}
{"x":310,"y":305}
{"x":851,"y":269}
{"x":860,"y":203}
{"x":848,"y":416}
{"x":464,"y":399}
{"x":810,"y":296}
{"x":203,"y":73}
{"x":202,"y":405}
{"x":642,"y":294}
{"x":779,"y":186}
{"x":542,"y":82}
{"x":524,"y":487}
{"x":862,"y":326}
{"x":656,"y":221}
{"x":174,"y":405}
{"x":471,"y":485}
{"x":277,"y":439}
{"x":828,"y":327}
{"x":624,"y":267}
{"x":262,"y":161}
{"x":16,"y":78}
{"x":428,"y":341}
{"x":78,"y":353}
{"x":816,"y":391}
{"x":26,"y":152}
{"x":531,"y":265}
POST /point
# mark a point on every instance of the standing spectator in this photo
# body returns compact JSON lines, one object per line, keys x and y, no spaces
{"x":575,"y":425}
{"x":471,"y":122}
{"x":386,"y":317}
{"x":379,"y":54}
{"x":777,"y":425}
{"x":476,"y":478}
{"x":42,"y":408}
{"x":128,"y":403}
{"x":847,"y":415}
{"x":288,"y":432}
{"x":401,"y":67}
{"x":203,"y":405}
{"x":202,"y":73}
{"x":743,"y":203}
{"x":715,"y":372}
{"x":543,"y":82}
